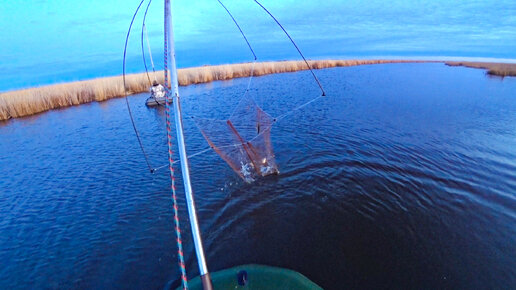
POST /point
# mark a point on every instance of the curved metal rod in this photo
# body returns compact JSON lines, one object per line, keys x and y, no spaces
{"x":295,"y":45}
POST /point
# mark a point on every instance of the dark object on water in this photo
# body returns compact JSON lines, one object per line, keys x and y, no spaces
{"x":242,"y":278}
{"x":256,"y":277}
{"x":153,"y":101}
{"x":158,"y":95}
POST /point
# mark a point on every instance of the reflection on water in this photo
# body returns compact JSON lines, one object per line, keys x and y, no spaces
{"x":403,"y":176}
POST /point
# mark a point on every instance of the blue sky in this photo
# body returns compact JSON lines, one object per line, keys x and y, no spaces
{"x":45,"y":42}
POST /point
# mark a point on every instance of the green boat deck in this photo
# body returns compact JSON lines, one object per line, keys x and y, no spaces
{"x":258,"y":277}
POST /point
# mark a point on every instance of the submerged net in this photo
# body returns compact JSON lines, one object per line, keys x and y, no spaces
{"x":243,"y":140}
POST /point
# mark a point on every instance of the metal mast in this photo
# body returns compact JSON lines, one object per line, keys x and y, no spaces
{"x":171,"y":59}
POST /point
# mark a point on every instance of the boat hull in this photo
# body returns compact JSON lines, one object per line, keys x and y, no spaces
{"x":153,"y":101}
{"x":256,"y":277}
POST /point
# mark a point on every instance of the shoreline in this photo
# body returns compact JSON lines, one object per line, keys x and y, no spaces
{"x":26,"y":102}
{"x":493,"y":68}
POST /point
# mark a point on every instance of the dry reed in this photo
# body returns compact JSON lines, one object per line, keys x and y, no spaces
{"x":496,"y":69}
{"x":31,"y":101}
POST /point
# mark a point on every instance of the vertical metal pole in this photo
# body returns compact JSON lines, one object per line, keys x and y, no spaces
{"x":203,"y":269}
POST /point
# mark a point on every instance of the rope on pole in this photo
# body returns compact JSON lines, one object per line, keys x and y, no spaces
{"x":180,"y":255}
{"x":169,"y":138}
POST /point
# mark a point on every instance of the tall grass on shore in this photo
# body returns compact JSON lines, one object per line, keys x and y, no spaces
{"x":495,"y":69}
{"x":31,"y":101}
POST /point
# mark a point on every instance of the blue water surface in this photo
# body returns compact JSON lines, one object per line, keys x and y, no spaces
{"x":404,"y":176}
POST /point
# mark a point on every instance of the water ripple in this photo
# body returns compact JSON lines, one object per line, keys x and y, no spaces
{"x":404,"y":176}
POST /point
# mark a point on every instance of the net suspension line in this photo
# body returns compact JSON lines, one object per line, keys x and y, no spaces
{"x":248,"y":45}
{"x":169,"y":140}
{"x":278,"y":118}
{"x":150,"y":52}
{"x":167,"y":108}
{"x":144,"y":30}
{"x":295,"y":45}
{"x":125,"y":92}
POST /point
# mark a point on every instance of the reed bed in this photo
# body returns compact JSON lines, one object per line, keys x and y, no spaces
{"x":15,"y":104}
{"x":495,"y":69}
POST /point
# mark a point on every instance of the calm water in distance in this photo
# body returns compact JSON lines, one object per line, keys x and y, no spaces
{"x":404,"y":176}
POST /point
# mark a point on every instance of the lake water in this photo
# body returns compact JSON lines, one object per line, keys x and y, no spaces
{"x":404,"y":176}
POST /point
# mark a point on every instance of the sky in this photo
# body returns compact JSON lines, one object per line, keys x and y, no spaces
{"x":45,"y":42}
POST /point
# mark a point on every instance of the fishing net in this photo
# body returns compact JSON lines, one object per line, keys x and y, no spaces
{"x":243,"y":140}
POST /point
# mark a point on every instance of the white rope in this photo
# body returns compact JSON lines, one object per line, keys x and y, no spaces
{"x":190,"y":156}
{"x":297,"y":108}
{"x":150,"y":52}
{"x":246,"y":90}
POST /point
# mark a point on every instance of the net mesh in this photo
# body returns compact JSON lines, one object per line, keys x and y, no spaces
{"x":243,"y":140}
